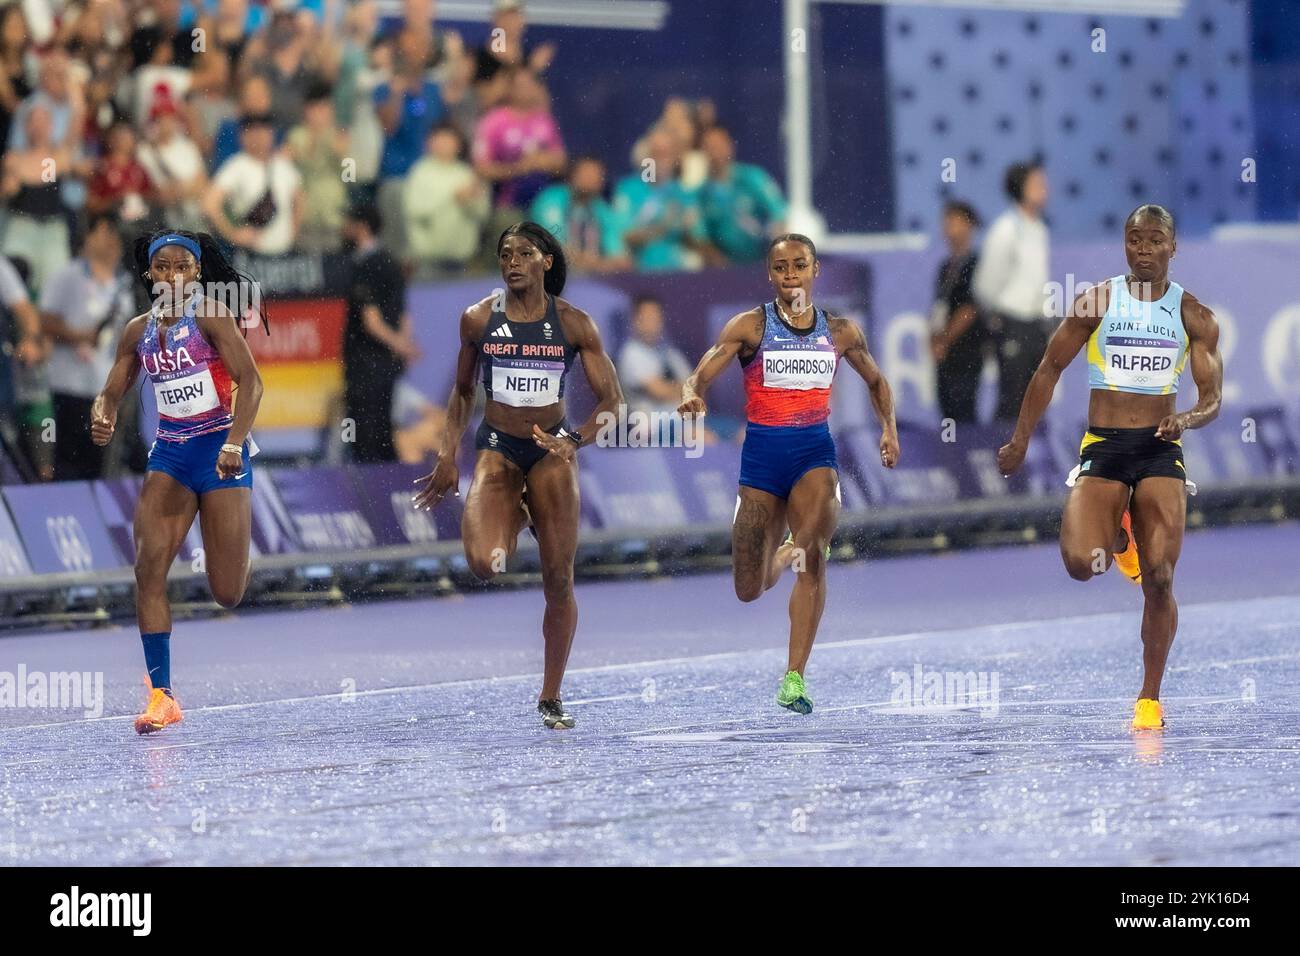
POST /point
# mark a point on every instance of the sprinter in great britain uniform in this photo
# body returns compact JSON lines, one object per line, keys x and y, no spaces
{"x":1140,"y":330}
{"x":789,"y":351}
{"x":526,"y":472}
{"x":197,"y":360}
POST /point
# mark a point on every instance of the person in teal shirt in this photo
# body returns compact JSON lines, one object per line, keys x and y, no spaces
{"x":577,"y":214}
{"x":741,"y":206}
{"x":660,"y":222}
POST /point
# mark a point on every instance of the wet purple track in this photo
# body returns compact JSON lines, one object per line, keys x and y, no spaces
{"x":403,"y":732}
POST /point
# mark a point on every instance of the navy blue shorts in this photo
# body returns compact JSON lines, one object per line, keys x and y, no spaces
{"x":522,"y":451}
{"x":193,"y":462}
{"x":775,"y":457}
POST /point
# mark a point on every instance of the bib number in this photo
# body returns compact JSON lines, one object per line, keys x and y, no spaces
{"x":188,"y":396}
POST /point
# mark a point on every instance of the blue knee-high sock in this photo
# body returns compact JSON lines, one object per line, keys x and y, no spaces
{"x":158,"y":657}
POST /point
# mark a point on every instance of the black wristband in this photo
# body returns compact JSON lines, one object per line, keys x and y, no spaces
{"x":572,"y":436}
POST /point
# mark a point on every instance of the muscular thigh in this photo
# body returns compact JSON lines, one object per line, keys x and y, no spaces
{"x":1159,"y":517}
{"x":756,"y":533}
{"x":814,"y":507}
{"x":226,"y":520}
{"x":491,"y":502}
{"x":553,"y":503}
{"x":163,"y":517}
{"x":1092,"y":514}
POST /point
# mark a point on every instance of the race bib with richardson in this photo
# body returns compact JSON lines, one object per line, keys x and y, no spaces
{"x":526,"y":383}
{"x":800,"y":369}
{"x":187,"y":396}
{"x":1140,"y":361}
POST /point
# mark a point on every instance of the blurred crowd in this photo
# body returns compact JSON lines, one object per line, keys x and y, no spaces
{"x":264,"y":120}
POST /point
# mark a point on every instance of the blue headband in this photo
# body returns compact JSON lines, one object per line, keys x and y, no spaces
{"x":171,"y":239}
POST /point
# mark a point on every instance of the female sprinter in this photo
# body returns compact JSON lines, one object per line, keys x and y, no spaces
{"x":789,"y":350}
{"x":525,"y":342}
{"x":191,"y":349}
{"x":1140,"y":329}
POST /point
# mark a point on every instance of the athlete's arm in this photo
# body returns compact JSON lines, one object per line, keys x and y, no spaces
{"x":445,"y":476}
{"x":220,"y":327}
{"x":743,"y":332}
{"x":1207,"y":370}
{"x":1070,"y":336}
{"x":585,"y":337}
{"x":126,"y":366}
{"x":882,"y":396}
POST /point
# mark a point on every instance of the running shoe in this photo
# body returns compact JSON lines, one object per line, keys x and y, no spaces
{"x":553,"y":715}
{"x":162,"y":710}
{"x":1127,"y":560}
{"x":793,"y":694}
{"x":1148,"y":715}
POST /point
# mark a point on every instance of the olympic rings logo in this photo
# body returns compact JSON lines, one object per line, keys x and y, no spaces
{"x":70,"y":542}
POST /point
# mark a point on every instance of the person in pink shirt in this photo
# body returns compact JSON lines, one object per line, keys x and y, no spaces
{"x":517,"y":146}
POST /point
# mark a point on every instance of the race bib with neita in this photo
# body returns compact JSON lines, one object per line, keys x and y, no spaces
{"x":800,"y":369}
{"x":187,"y":396}
{"x":526,"y":383}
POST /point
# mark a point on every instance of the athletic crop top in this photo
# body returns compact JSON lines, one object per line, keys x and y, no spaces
{"x":788,"y":380}
{"x":1139,"y":346}
{"x":190,"y":382}
{"x":525,"y":363}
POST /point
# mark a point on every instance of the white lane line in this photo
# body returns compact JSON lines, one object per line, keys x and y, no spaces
{"x":1225,"y":664}
{"x":994,"y":628}
{"x":640,"y":695}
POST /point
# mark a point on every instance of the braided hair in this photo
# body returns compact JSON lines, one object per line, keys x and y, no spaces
{"x":217,"y":269}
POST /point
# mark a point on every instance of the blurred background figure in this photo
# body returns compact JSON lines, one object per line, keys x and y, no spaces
{"x":741,"y":206}
{"x":658,"y":216}
{"x":37,"y":226}
{"x":445,"y":205}
{"x":318,"y":148}
{"x":377,"y":342}
{"x":1010,"y":284}
{"x":256,"y":200}
{"x":22,"y":347}
{"x":957,"y":334}
{"x":576,"y":213}
{"x":174,"y":165}
{"x":505,"y":48}
{"x":84,"y":307}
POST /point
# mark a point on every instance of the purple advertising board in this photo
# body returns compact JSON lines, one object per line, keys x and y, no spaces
{"x":61,"y":528}
{"x":13,"y":557}
{"x":324,"y":508}
{"x":385,"y":493}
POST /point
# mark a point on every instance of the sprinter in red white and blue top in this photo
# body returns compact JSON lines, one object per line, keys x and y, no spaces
{"x":790,"y":350}
{"x":191,"y":350}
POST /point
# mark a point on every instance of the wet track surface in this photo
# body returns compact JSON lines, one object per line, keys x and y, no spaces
{"x":971,"y":709}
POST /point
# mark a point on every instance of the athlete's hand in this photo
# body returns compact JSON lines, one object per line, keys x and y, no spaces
{"x":692,"y":406}
{"x":889,"y":449}
{"x":1170,"y":428}
{"x":1010,"y":457}
{"x":565,"y":448}
{"x":229,"y":465}
{"x":102,"y":422}
{"x":445,"y":477}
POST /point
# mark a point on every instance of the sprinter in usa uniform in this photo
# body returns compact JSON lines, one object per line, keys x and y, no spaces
{"x":789,"y":351}
{"x":1129,"y":490}
{"x":193,"y":353}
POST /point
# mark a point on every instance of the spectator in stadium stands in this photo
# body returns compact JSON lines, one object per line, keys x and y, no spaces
{"x":577,"y":214}
{"x":360,"y":21}
{"x":176,"y":169}
{"x":658,"y":217}
{"x":207,"y":105}
{"x":318,"y":148}
{"x":256,"y":199}
{"x":956,"y":331}
{"x":254,"y":100}
{"x":439,"y":47}
{"x":377,"y":343}
{"x":15,"y":55}
{"x":680,"y":117}
{"x":21,"y":340}
{"x":230,"y":30}
{"x":445,"y":206}
{"x":120,"y":184}
{"x":31,"y":389}
{"x":37,"y":227}
{"x":293,"y":54}
{"x":1010,"y":284}
{"x":518,"y":146}
{"x":59,"y":92}
{"x":459,"y":94}
{"x":409,"y":105}
{"x":162,"y":36}
{"x":651,"y":368}
{"x":741,"y":206}
{"x":84,"y":307}
{"x":505,"y":48}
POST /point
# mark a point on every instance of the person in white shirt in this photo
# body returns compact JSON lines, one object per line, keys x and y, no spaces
{"x":175,"y":167}
{"x":1011,"y":284}
{"x":256,"y":199}
{"x":446,"y":205}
